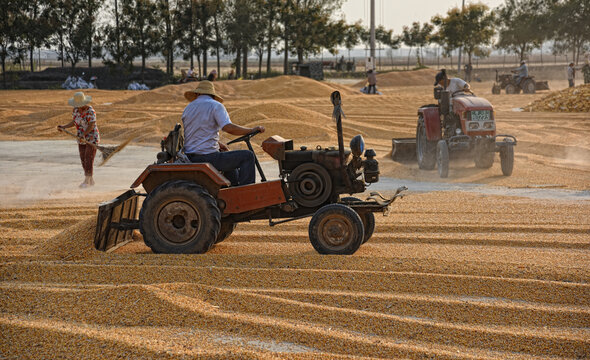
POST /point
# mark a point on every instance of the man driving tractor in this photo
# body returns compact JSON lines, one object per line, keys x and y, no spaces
{"x":202,"y":119}
{"x":520,"y":72}
{"x":455,"y":86}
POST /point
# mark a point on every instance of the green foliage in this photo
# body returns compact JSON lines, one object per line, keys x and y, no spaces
{"x":522,"y":26}
{"x":417,"y":36}
{"x":470,"y":28}
{"x":569,"y":21}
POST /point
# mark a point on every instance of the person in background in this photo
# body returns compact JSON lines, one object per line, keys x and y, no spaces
{"x":202,"y":119}
{"x":586,"y":71}
{"x":212,"y":75}
{"x":84,"y":119}
{"x":571,"y":75}
{"x":521,"y":72}
{"x":468,"y":69}
{"x":191,"y":74}
{"x":372,"y":79}
{"x":232,"y":75}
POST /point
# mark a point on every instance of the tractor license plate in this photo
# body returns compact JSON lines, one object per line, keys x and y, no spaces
{"x":480,"y":115}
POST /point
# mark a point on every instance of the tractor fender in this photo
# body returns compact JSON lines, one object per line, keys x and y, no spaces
{"x":431,"y":118}
{"x":203,"y":174}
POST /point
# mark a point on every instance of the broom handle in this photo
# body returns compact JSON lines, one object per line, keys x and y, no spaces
{"x":86,"y":142}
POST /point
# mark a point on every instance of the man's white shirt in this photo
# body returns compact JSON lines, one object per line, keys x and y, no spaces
{"x":202,"y":119}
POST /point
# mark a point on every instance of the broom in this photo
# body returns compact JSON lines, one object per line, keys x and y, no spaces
{"x":107,"y":152}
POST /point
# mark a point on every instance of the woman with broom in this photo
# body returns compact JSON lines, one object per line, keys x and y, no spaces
{"x":84,"y":119}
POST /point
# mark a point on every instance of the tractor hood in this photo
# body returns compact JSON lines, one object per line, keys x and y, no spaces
{"x":471,"y":103}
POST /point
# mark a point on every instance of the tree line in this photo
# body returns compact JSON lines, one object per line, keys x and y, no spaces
{"x":121,"y":31}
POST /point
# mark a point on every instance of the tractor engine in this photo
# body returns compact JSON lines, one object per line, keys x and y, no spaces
{"x":314,"y":176}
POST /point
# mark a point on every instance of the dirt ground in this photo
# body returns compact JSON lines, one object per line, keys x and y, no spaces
{"x":448,"y":274}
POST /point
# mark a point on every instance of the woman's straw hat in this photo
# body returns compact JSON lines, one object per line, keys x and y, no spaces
{"x":205,"y":87}
{"x":79,"y":99}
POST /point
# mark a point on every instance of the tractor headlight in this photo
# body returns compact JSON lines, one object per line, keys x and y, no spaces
{"x":357,"y":145}
{"x":473,"y":125}
{"x":488,"y":125}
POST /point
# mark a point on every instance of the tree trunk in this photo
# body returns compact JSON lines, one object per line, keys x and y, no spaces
{"x":61,"y":48}
{"x":269,"y":45}
{"x":300,"y":55}
{"x":286,"y":60}
{"x":245,"y":61}
{"x":31,"y":57}
{"x":408,"y":65}
{"x":90,"y":50}
{"x":117,"y":34}
{"x":199,"y":64}
{"x":260,"y":64}
{"x":142,"y":68}
{"x":217,"y":41}
{"x":168,"y":38}
{"x":238,"y":63}
{"x":3,"y":56}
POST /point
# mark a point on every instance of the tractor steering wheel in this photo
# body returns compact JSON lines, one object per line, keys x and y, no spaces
{"x":244,"y":137}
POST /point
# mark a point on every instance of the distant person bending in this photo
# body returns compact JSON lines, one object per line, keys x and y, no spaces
{"x":212,"y":75}
{"x":521,"y":72}
{"x":84,"y":119}
{"x":372,"y":79}
{"x":202,"y":119}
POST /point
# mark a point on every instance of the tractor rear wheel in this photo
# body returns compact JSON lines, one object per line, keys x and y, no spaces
{"x":179,"y":217}
{"x":367,"y":217}
{"x":336,"y":229}
{"x":529,"y":87}
{"x":226,"y":229}
{"x":507,"y":159}
{"x":425,"y":149}
{"x":310,"y":184}
{"x":442,"y":158}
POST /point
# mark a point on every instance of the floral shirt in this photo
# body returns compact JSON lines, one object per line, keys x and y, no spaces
{"x":83,"y":120}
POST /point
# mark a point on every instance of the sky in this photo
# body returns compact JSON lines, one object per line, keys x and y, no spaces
{"x":394,"y":14}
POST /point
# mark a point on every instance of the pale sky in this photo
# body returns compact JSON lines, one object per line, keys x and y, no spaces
{"x":394,"y":14}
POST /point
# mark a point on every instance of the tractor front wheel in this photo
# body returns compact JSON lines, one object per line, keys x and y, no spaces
{"x":507,"y":159}
{"x":442,"y":158}
{"x":367,"y":217}
{"x":483,"y":159}
{"x":179,"y":217}
{"x":336,"y":229}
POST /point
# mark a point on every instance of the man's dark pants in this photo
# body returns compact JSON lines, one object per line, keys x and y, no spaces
{"x":237,"y":165}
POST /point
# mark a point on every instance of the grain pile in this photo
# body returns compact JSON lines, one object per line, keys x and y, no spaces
{"x":420,"y":77}
{"x":73,"y":243}
{"x":576,"y":99}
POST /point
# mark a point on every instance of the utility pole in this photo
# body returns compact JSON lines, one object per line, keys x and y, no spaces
{"x":460,"y":47}
{"x":373,"y":34}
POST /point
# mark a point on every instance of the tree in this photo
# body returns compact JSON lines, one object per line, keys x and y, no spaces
{"x":10,"y":21}
{"x":353,"y":35}
{"x":521,"y":26}
{"x":570,"y":23}
{"x":36,"y":28}
{"x":140,"y":31}
{"x":74,"y":24}
{"x":469,"y":28}
{"x":168,"y":38}
{"x":418,"y":36}
{"x":314,"y":28}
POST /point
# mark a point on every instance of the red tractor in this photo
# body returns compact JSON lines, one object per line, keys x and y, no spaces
{"x":459,"y":123}
{"x":189,"y":207}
